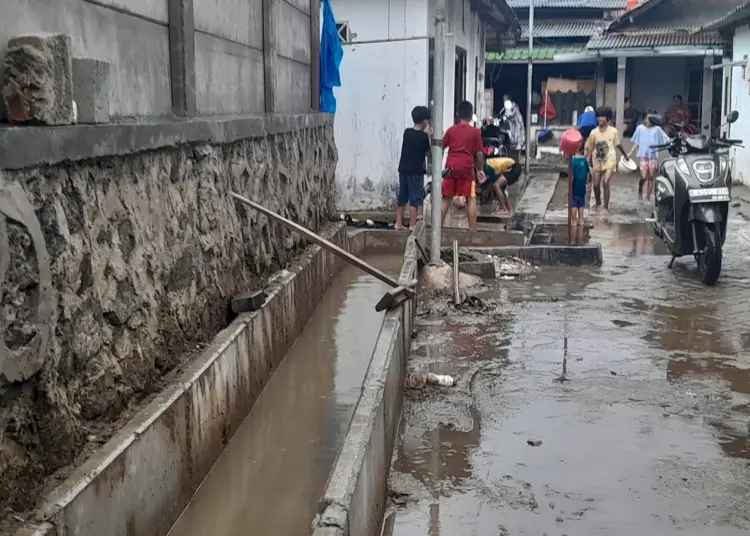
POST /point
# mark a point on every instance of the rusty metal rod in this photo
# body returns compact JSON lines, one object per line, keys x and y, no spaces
{"x":325,"y":244}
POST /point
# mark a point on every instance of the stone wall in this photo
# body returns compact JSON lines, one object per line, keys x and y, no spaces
{"x":113,"y":269}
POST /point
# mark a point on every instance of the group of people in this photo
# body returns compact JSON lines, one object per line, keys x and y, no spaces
{"x":597,"y":157}
{"x":466,"y":166}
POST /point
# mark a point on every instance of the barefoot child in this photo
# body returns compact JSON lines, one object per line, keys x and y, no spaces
{"x":411,"y":167}
{"x":646,"y":135}
{"x":600,"y":151}
{"x":579,"y":166}
{"x":466,"y":162}
{"x":502,"y":172}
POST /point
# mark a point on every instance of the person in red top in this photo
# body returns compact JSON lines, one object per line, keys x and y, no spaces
{"x":465,"y":160}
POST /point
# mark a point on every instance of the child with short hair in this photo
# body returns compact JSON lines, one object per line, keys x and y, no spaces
{"x":647,"y":135}
{"x":601,"y":149}
{"x":579,"y":166}
{"x":502,"y":172}
{"x":411,"y":167}
{"x":465,"y":162}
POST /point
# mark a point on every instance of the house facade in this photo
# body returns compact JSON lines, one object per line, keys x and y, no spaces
{"x":387,"y":71}
{"x":562,"y":29}
{"x":734,"y":26}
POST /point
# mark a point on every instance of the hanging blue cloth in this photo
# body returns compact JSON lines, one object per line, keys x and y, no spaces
{"x":331,"y":53}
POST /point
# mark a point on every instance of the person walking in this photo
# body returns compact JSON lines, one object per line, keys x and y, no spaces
{"x":601,"y":152}
{"x":646,"y":135}
{"x":411,"y":167}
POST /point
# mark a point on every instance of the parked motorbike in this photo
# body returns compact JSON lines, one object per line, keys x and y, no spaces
{"x":495,"y":137}
{"x":692,"y":196}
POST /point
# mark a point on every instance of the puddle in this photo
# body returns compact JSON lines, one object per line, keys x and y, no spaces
{"x":606,"y":401}
{"x":270,"y":477}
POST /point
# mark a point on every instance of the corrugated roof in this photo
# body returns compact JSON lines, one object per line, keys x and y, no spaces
{"x":661,"y":37}
{"x":735,"y":15}
{"x":539,"y":53}
{"x":563,"y":28}
{"x":570,"y":4}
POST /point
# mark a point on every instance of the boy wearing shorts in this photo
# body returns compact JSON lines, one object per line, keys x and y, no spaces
{"x":411,"y":167}
{"x":465,"y":162}
{"x":600,"y":151}
{"x":579,"y":167}
{"x":502,"y":172}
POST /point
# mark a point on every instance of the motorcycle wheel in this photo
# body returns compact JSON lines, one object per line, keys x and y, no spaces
{"x":709,"y":262}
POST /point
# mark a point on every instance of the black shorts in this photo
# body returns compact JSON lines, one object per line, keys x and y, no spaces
{"x":513,"y":174}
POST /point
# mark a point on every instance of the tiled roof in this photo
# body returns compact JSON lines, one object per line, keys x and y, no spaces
{"x":570,"y":4}
{"x":563,"y":28}
{"x":538,"y":54}
{"x":654,"y":37}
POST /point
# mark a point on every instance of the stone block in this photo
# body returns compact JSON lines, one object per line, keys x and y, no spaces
{"x":37,"y":82}
{"x":248,"y":301}
{"x":91,"y":89}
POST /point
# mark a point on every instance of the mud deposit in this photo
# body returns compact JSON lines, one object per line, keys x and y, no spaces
{"x":269,"y":479}
{"x":611,"y":401}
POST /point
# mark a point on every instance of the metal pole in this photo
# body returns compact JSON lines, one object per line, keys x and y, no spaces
{"x":438,"y":98}
{"x":529,"y":86}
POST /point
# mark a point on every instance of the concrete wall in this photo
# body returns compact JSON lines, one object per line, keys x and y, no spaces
{"x":133,"y":36}
{"x":117,"y":261}
{"x":385,"y":74}
{"x":355,"y":498}
{"x":142,"y":479}
{"x":740,"y":101}
{"x":227,"y":37}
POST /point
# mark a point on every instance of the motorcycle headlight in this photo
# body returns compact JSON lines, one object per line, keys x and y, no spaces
{"x":723,"y":164}
{"x":683,"y":167}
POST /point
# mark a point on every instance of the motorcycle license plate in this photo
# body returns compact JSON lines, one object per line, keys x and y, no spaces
{"x":709,"y":195}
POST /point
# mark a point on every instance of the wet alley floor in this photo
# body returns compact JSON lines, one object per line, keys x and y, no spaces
{"x":270,"y":477}
{"x":589,"y":401}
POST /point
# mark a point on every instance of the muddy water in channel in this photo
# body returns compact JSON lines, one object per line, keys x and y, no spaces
{"x":609,"y":401}
{"x":270,"y":477}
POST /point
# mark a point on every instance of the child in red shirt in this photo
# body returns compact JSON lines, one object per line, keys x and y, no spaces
{"x":465,"y":160}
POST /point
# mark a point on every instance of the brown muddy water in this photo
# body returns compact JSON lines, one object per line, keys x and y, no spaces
{"x":270,"y":477}
{"x":608,"y":401}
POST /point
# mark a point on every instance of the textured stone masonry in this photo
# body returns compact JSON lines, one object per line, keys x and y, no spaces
{"x":111,"y":270}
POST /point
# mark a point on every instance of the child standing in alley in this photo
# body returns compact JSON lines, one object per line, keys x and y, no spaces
{"x":579,"y":166}
{"x":601,"y":149}
{"x":647,"y":135}
{"x":411,"y":167}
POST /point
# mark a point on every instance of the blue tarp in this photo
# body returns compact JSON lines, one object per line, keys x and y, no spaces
{"x":331,"y":53}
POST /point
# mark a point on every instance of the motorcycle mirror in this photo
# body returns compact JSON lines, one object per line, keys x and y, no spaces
{"x":733,"y":116}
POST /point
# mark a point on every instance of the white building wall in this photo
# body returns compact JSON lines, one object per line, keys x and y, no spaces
{"x":740,"y":101}
{"x":381,"y":81}
{"x":384,"y":75}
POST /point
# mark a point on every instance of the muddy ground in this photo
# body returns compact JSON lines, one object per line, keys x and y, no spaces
{"x":589,"y":401}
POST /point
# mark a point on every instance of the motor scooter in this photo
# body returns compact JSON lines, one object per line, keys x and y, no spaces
{"x":692,"y":196}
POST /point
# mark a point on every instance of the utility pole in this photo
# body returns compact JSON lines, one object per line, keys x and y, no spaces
{"x":529,"y":87}
{"x":438,"y":97}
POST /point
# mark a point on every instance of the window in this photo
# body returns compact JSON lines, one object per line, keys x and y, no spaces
{"x":344,"y":34}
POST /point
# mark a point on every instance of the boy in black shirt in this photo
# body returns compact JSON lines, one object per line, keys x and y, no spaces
{"x":411,"y":166}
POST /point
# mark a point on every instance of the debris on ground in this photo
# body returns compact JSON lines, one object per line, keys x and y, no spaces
{"x":441,"y":278}
{"x":534,"y":442}
{"x":511,"y":267}
{"x":418,"y":380}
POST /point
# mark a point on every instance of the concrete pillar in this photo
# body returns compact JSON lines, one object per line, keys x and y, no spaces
{"x":182,"y":56}
{"x":315,"y":55}
{"x":269,"y":54}
{"x":620,"y":102}
{"x":600,"y":84}
{"x":707,"y":95}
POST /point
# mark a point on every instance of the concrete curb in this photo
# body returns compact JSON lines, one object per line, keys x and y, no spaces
{"x":354,"y":500}
{"x":550,"y":255}
{"x":29,"y":146}
{"x":141,"y":480}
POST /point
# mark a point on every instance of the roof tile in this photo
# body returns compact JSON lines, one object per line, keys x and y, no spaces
{"x":563,"y":28}
{"x":570,"y":4}
{"x":661,"y":37}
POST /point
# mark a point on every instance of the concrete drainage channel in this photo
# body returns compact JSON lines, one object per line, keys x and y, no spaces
{"x":140,"y":482}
